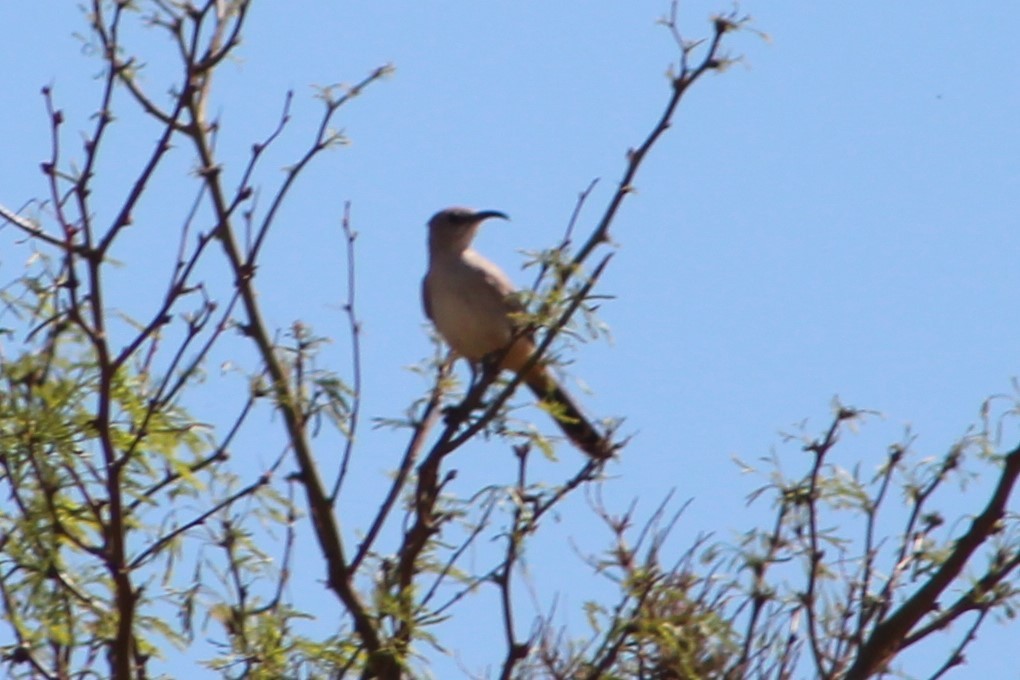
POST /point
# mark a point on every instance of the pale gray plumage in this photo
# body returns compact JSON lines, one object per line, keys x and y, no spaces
{"x":471,"y":302}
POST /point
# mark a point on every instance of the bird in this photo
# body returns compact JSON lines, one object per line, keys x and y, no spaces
{"x":474,"y":306}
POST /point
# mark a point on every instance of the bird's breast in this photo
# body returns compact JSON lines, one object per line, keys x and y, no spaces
{"x":468,"y":310}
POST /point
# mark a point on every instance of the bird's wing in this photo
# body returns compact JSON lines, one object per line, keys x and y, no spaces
{"x":425,"y":298}
{"x":496,"y":279}
{"x":500,"y":284}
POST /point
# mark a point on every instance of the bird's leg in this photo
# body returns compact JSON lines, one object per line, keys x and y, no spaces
{"x":458,"y":413}
{"x":490,"y":367}
{"x":473,"y":366}
{"x":482,"y":374}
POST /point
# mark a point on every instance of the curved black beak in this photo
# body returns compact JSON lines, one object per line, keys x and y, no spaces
{"x":488,"y":214}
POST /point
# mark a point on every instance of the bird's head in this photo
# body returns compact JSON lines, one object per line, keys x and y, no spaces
{"x":454,"y":228}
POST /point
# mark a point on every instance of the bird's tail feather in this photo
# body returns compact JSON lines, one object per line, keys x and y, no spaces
{"x":568,"y":415}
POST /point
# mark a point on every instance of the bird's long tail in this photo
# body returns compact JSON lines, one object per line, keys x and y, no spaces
{"x":568,"y":415}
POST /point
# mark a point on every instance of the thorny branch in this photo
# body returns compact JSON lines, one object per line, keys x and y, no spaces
{"x":204,"y":34}
{"x":459,"y":430}
{"x":855,"y":624}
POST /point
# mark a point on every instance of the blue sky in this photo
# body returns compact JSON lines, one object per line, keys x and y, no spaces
{"x":837,"y":214}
